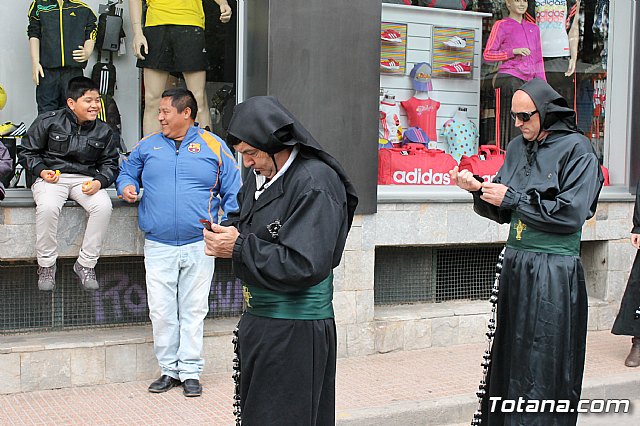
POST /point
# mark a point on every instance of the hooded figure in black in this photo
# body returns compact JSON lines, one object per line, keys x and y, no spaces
{"x":296,"y":208}
{"x":546,"y":189}
{"x":626,"y":322}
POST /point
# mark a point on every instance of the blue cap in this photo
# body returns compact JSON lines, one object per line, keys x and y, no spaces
{"x":415,"y":135}
{"x":421,"y":77}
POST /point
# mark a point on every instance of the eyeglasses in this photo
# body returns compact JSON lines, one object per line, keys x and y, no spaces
{"x":523,"y":116}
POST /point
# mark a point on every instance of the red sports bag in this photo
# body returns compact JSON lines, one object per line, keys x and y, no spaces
{"x":413,"y":164}
{"x":486,"y":163}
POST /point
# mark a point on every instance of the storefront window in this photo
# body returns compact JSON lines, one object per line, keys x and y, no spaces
{"x":447,"y":77}
{"x":125,"y":80}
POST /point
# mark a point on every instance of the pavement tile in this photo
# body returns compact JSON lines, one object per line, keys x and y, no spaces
{"x":370,"y":382}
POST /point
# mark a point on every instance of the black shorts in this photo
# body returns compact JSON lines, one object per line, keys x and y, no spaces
{"x":175,"y":48}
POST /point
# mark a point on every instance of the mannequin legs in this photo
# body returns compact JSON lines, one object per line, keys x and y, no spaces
{"x":155,"y":82}
{"x":196,"y":82}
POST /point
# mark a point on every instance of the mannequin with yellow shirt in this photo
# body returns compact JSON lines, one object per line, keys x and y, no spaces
{"x":172,"y":40}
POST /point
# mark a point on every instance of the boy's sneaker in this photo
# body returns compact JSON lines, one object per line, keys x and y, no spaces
{"x":390,"y":64}
{"x":87,"y":276}
{"x":457,"y":68}
{"x":47,"y":278}
{"x":456,"y":42}
{"x":392,"y":36}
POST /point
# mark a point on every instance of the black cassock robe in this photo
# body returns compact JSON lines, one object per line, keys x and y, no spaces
{"x":290,"y":240}
{"x":539,"y":347}
{"x":625,"y":323}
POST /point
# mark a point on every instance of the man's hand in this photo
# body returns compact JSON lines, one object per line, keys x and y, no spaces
{"x":524,"y":51}
{"x":635,"y":240}
{"x":493,"y":193}
{"x":90,"y":187}
{"x":37,"y":72}
{"x":50,"y":176}
{"x":464,"y":179}
{"x":129,"y":194}
{"x":220,"y":241}
{"x":225,"y":11}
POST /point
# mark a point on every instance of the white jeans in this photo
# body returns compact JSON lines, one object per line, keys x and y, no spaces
{"x":49,"y":198}
{"x":178,"y":285}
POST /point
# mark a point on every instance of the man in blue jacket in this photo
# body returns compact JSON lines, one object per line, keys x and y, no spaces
{"x":188,"y":174}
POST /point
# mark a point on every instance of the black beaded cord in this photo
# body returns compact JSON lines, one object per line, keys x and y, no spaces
{"x":237,"y":410}
{"x":491,"y":332}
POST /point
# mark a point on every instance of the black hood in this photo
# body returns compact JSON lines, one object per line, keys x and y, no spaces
{"x":264,"y":123}
{"x":555,"y":114}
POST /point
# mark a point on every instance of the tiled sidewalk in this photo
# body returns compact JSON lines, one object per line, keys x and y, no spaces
{"x":372,"y":382}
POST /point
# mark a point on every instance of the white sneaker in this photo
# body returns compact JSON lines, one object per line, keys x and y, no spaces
{"x":456,"y":42}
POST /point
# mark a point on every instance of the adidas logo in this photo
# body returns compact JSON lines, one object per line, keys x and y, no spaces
{"x":72,"y":14}
{"x":416,"y":177}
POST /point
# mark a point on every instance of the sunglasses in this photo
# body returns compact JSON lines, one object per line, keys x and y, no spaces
{"x":523,"y":116}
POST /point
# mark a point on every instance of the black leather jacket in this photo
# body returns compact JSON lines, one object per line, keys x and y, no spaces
{"x":55,"y":141}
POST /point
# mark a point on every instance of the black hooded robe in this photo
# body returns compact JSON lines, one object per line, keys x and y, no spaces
{"x":539,"y":347}
{"x":625,"y":323}
{"x":290,"y":240}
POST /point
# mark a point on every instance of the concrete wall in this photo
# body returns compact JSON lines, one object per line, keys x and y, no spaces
{"x":364,"y":329}
{"x":94,"y":356}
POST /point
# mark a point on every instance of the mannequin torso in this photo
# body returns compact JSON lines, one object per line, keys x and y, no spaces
{"x":553,"y":17}
{"x":61,"y":39}
{"x":461,"y":135}
{"x":515,"y":43}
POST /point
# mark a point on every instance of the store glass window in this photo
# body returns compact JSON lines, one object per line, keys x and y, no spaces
{"x":448,"y":75}
{"x":114,"y":68}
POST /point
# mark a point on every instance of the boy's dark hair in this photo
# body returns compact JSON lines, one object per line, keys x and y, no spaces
{"x":80,"y":85}
{"x":182,"y":98}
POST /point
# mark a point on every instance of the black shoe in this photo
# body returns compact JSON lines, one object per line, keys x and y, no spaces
{"x":191,"y":387}
{"x":163,"y":384}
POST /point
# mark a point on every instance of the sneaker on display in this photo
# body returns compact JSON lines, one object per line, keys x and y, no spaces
{"x":456,"y":42}
{"x":47,"y":278}
{"x":7,"y":128}
{"x":390,"y":35}
{"x":87,"y":276}
{"x":390,"y":64}
{"x":457,"y":68}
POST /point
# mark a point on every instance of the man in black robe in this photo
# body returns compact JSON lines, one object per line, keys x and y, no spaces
{"x":546,"y":189}
{"x":296,"y":209}
{"x":626,"y":324}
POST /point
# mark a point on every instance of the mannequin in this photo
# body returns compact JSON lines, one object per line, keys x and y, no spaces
{"x":63,"y":23}
{"x":389,"y":130}
{"x":552,"y":16}
{"x":461,"y":135}
{"x":515,"y":43}
{"x":421,"y":110}
{"x":166,"y":27}
{"x":559,"y":46}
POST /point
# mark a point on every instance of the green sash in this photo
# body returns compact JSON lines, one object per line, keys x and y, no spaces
{"x":523,"y":237}
{"x":313,"y":303}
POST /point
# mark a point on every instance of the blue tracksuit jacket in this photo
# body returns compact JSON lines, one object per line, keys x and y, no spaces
{"x":182,"y":185}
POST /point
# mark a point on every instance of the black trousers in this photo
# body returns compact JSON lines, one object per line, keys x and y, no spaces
{"x":51,"y":92}
{"x":287,"y":371}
